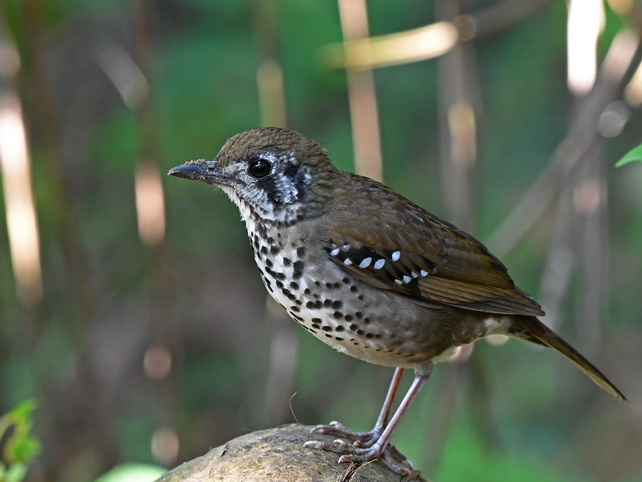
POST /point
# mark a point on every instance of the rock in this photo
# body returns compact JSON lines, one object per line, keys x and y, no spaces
{"x":278,"y":454}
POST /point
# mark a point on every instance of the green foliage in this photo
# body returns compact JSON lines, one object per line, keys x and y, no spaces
{"x":20,"y":446}
{"x":633,"y":155}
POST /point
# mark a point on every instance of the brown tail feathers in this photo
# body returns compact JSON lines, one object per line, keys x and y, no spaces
{"x":531,"y":329}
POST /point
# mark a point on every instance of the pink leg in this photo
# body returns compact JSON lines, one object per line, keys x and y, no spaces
{"x":376,"y":449}
{"x":365,"y":439}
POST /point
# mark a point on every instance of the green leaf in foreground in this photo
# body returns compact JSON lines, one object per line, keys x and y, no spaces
{"x":631,"y":156}
{"x":19,"y":447}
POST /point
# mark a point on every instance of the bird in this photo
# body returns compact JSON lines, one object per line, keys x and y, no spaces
{"x":367,"y":271}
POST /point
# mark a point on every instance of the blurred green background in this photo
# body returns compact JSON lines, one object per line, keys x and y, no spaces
{"x":153,"y":344}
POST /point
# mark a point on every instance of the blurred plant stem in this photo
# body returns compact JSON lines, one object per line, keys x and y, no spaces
{"x":361,"y":95}
{"x":622,"y":56}
{"x":269,"y":72}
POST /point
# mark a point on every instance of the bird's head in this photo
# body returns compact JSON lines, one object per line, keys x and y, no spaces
{"x":269,"y":172}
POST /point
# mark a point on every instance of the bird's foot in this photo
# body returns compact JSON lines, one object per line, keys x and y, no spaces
{"x":360,"y":439}
{"x":351,"y":453}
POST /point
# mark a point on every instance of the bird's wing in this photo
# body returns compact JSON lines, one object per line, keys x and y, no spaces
{"x":418,"y":255}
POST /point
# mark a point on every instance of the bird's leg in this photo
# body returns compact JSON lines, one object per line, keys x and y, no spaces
{"x":365,"y":439}
{"x":377,"y":448}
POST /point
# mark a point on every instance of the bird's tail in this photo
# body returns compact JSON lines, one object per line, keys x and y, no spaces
{"x":531,"y":329}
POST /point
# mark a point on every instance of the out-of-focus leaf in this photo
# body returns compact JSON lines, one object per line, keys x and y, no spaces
{"x":21,"y":447}
{"x":132,"y":473}
{"x":21,"y":414}
{"x":631,"y":156}
{"x":24,"y":448}
{"x":15,"y":473}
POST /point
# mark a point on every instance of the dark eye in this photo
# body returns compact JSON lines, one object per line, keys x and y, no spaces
{"x":259,"y":168}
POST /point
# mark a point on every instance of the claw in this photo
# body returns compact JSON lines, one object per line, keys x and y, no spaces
{"x":318,"y":429}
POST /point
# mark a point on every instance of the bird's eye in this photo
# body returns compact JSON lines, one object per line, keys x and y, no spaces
{"x":259,"y":168}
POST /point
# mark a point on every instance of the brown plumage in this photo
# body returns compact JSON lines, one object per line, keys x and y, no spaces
{"x":367,"y":271}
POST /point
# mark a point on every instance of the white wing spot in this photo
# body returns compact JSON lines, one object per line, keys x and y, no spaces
{"x":396,"y":255}
{"x":423,"y":273}
{"x":334,"y":252}
{"x":398,"y":282}
{"x":414,"y":275}
{"x":347,"y":262}
{"x":379,"y":264}
{"x":365,"y":263}
{"x":407,"y":279}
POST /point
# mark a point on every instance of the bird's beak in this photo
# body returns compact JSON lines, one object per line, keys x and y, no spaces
{"x":204,"y":171}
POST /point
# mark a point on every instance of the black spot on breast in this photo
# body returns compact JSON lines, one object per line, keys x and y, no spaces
{"x":288,"y":293}
{"x":300,"y":252}
{"x":337,"y":304}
